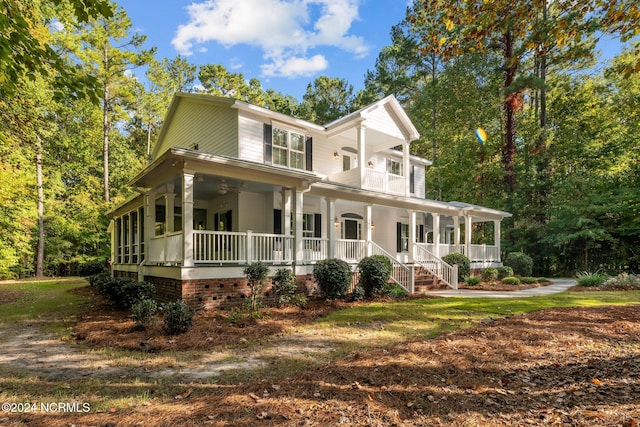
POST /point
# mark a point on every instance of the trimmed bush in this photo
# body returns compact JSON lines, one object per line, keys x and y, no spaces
{"x":489,"y":274}
{"x":177,"y":317}
{"x":395,"y":291}
{"x":504,"y":271}
{"x":530,"y":280}
{"x":511,"y":280}
{"x":521,"y":263}
{"x":333,"y":276}
{"x":256,"y":274}
{"x":357,"y":294}
{"x":144,"y":312}
{"x":375,"y":271}
{"x":285,"y":286}
{"x":299,"y":300}
{"x":473,"y":281}
{"x":121,"y":292}
{"x":463,"y":263}
{"x":588,"y":279}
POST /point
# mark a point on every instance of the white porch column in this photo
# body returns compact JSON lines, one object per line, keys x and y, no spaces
{"x":368,"y":231}
{"x":331,"y":228}
{"x":436,"y":234}
{"x":169,"y":203}
{"x":467,"y":235}
{"x":496,"y":237}
{"x":456,"y":233}
{"x":298,"y":246}
{"x":412,"y":236}
{"x":187,"y":217}
{"x":286,"y":212}
{"x":149,"y":223}
{"x":405,"y":169}
{"x":362,"y":161}
{"x":123,"y":239}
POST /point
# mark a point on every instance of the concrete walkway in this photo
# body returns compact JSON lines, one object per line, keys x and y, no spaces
{"x":557,"y":286}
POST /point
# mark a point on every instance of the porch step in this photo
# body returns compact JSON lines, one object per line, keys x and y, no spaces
{"x":425,"y":281}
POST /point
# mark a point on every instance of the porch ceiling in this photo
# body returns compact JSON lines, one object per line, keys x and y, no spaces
{"x":171,"y":165}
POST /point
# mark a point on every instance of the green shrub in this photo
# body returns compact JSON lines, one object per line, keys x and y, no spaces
{"x":357,"y":294}
{"x":285,"y":286}
{"x":473,"y":281}
{"x":530,"y":280}
{"x":91,"y":268}
{"x":122,"y":292}
{"x":504,"y":271}
{"x":511,"y":280}
{"x":395,"y":291}
{"x":489,"y":274}
{"x":333,"y":276}
{"x":177,"y":317}
{"x":623,"y":281}
{"x":521,"y":263}
{"x":299,"y":300}
{"x":374,"y":274}
{"x":463,"y":263}
{"x":256,"y":274}
{"x":144,"y":312}
{"x":588,"y":279}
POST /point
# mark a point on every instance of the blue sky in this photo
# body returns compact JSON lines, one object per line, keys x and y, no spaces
{"x":286,"y":44}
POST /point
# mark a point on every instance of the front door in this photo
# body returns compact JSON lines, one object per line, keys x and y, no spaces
{"x":351,"y":229}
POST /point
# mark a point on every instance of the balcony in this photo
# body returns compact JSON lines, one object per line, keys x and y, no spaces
{"x":382,"y":181}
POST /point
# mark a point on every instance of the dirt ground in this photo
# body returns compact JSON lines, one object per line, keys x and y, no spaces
{"x":561,"y":367}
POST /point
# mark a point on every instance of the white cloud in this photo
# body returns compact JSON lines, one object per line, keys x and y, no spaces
{"x":294,"y":66}
{"x":285,"y":30}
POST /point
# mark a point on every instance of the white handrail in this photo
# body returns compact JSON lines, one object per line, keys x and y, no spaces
{"x":400,"y":273}
{"x":436,"y":266}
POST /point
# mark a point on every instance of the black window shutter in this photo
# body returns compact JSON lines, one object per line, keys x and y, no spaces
{"x":229,"y":224}
{"x":412,"y":182}
{"x":317,"y":225}
{"x":216,"y":222}
{"x":268,"y":143}
{"x":308,"y":152}
{"x":277,"y":221}
{"x":399,"y":236}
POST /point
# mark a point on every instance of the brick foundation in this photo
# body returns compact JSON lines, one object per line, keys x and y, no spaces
{"x":210,"y":294}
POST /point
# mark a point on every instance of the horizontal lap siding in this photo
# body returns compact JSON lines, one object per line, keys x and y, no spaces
{"x":214,"y":129}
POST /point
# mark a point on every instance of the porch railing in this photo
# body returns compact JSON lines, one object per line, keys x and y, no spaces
{"x":400,"y":273}
{"x":315,"y":249}
{"x":478,"y":252}
{"x":436,"y":266}
{"x":350,"y":250}
{"x":166,"y":248}
{"x":225,"y":247}
{"x":384,"y":181}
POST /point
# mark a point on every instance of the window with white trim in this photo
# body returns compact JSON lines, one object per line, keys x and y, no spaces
{"x":288,"y":149}
{"x":394,"y":167}
{"x":308,"y":225}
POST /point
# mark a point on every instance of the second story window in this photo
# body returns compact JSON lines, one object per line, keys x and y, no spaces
{"x":288,"y":149}
{"x":394,"y":167}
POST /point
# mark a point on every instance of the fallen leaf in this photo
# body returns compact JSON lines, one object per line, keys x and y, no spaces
{"x":183,"y":395}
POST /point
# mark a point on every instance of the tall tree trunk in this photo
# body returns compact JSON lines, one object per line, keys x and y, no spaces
{"x":105,"y":121}
{"x":39,"y":183}
{"x":510,"y":107}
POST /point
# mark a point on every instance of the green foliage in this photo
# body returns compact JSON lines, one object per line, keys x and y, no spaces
{"x":463,"y":263}
{"x":285,"y":286}
{"x":144,"y":312}
{"x":489,"y":274}
{"x":504,"y":271}
{"x":357,"y":294}
{"x":589,"y":279}
{"x":521,"y":263}
{"x":121,"y":292}
{"x":333,"y":276}
{"x":374,"y":274}
{"x":530,"y":280}
{"x":395,"y":291}
{"x":177,"y":317}
{"x":623,"y":282}
{"x":299,"y":300}
{"x":256,"y":274}
{"x":473,"y":281}
{"x":511,"y":280}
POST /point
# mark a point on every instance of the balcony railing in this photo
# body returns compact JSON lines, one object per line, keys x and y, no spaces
{"x":384,"y":181}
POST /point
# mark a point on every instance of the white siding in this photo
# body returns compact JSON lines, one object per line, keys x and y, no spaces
{"x":382,"y":120}
{"x":252,"y":213}
{"x":251,"y":138}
